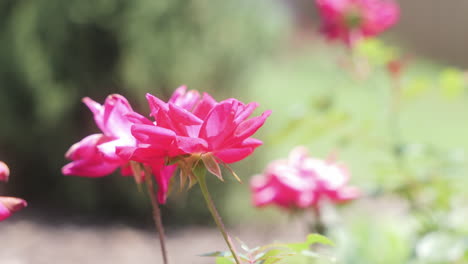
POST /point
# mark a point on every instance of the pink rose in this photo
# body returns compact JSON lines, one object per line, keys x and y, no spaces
{"x":301,"y":182}
{"x":190,"y":124}
{"x":351,"y":20}
{"x":95,"y":155}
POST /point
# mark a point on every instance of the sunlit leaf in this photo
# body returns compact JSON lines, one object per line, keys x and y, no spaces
{"x":376,"y":51}
{"x":311,"y":239}
{"x":415,"y":87}
{"x":222,"y":260}
{"x":275,"y":255}
{"x":452,"y":83}
{"x":316,"y":238}
{"x":299,"y":247}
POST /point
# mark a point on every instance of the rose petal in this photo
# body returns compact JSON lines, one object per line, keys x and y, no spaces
{"x":9,"y":205}
{"x":4,"y":171}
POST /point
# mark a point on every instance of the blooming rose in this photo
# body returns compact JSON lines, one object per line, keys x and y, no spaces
{"x":198,"y":126}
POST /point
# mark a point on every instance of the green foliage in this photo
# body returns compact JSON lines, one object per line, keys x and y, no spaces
{"x":223,"y":261}
{"x":442,"y":247}
{"x":293,"y":253}
{"x":452,"y":83}
{"x":311,"y":239}
{"x":55,"y":52}
{"x":374,"y":240}
{"x":376,"y":51}
{"x":416,"y":87}
{"x":403,"y":142}
{"x":408,"y":156}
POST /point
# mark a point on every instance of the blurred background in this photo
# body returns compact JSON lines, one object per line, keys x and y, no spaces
{"x":53,"y":53}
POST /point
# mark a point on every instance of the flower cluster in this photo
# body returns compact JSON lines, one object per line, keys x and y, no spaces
{"x":188,"y":128}
{"x":8,"y":205}
{"x":351,"y":20}
{"x":302,"y":182}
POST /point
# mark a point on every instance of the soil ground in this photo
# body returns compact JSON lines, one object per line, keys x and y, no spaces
{"x":29,"y":242}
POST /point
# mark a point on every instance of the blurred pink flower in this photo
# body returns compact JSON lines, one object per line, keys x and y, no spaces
{"x":8,"y":205}
{"x":4,"y":171}
{"x":351,"y":20}
{"x":191,"y":124}
{"x":301,"y":182}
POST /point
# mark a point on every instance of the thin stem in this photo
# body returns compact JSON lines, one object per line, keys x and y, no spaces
{"x":394,"y":121}
{"x":200,"y":173}
{"x":394,"y":124}
{"x":156,"y":214}
{"x":318,"y":225}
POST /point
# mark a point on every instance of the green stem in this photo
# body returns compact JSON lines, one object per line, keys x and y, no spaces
{"x":156,"y":213}
{"x":394,"y":121}
{"x":318,"y":225}
{"x":200,"y":173}
{"x":397,"y":141}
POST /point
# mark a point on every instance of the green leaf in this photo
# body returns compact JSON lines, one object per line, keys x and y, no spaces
{"x":376,"y":51}
{"x":275,"y":255}
{"x":223,"y":260}
{"x":217,"y":254}
{"x":311,"y":239}
{"x":415,"y":87}
{"x":271,"y":261}
{"x":316,"y":238}
{"x":271,"y":253}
